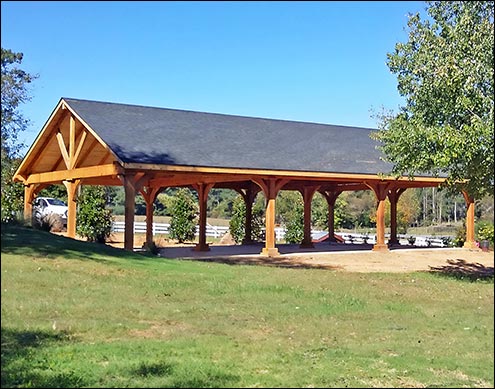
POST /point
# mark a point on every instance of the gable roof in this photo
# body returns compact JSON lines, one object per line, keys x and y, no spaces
{"x":150,"y":135}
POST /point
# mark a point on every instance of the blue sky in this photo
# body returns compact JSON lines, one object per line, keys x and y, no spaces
{"x":319,"y":62}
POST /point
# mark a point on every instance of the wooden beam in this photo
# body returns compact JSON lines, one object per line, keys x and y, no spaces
{"x":63,"y":149}
{"x":84,"y":155}
{"x":278,"y":173}
{"x":72,"y":139}
{"x":34,"y":152}
{"x":92,"y":132}
{"x":79,"y":148}
{"x":78,"y":173}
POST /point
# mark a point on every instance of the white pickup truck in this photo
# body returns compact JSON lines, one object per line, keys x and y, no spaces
{"x":44,"y":206}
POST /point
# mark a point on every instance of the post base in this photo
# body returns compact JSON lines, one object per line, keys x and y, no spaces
{"x":306,"y":245}
{"x":380,"y":247}
{"x":471,"y":246}
{"x":273,"y":252}
{"x":204,"y":247}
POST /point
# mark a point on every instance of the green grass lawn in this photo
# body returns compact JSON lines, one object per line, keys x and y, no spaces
{"x":78,"y":314}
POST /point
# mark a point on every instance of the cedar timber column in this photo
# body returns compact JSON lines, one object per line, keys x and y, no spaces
{"x":270,"y":187}
{"x":331,"y":197}
{"x":307,"y":193}
{"x":202,"y":190}
{"x":71,"y":187}
{"x":393,"y":198}
{"x":470,"y":242}
{"x":149,"y":194}
{"x":381,"y":191}
{"x":30,"y":192}
{"x":130,"y":206}
{"x":248,"y":196}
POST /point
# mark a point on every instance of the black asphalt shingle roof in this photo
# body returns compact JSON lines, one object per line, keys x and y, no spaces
{"x":138,"y":134}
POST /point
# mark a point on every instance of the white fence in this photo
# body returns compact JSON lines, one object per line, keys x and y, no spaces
{"x":163,"y":228}
{"x":218,"y":232}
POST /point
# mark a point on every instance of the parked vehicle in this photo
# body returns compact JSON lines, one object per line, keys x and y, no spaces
{"x":45,"y":206}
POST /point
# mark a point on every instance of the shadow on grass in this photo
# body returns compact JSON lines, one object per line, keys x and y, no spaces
{"x":31,"y":242}
{"x":22,"y":366}
{"x":176,"y":376}
{"x":460,"y":269}
{"x":284,"y":262}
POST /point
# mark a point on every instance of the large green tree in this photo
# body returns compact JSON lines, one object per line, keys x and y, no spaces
{"x":445,"y":73}
{"x":14,"y":92}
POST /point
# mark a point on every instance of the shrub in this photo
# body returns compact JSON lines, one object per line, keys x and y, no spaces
{"x":94,"y":220}
{"x":295,"y":223}
{"x":184,"y":216}
{"x":12,"y":196}
{"x":237,"y":221}
{"x":486,"y":232}
{"x":460,"y":236}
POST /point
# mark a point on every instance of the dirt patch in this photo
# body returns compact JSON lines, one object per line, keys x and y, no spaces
{"x":462,"y":261}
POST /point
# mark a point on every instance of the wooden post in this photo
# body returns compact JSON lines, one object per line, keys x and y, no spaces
{"x":307,"y":193}
{"x":331,"y":197}
{"x":71,"y":187}
{"x":149,"y":195}
{"x":248,"y":195}
{"x":470,"y":242}
{"x":202,"y":190}
{"x":132,"y":182}
{"x":393,"y":198}
{"x":130,"y":206}
{"x":270,"y":189}
{"x":270,"y":249}
{"x":381,"y":191}
{"x":30,"y":192}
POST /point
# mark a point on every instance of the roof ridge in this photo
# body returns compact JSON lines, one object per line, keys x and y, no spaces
{"x":218,"y":114}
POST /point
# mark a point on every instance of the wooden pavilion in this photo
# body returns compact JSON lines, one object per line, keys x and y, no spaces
{"x":147,"y":149}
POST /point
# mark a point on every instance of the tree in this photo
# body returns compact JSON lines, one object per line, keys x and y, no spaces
{"x":445,"y":73}
{"x":94,"y":219}
{"x":237,"y":221}
{"x":184,"y":215}
{"x":14,"y":93}
{"x":292,"y":215}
